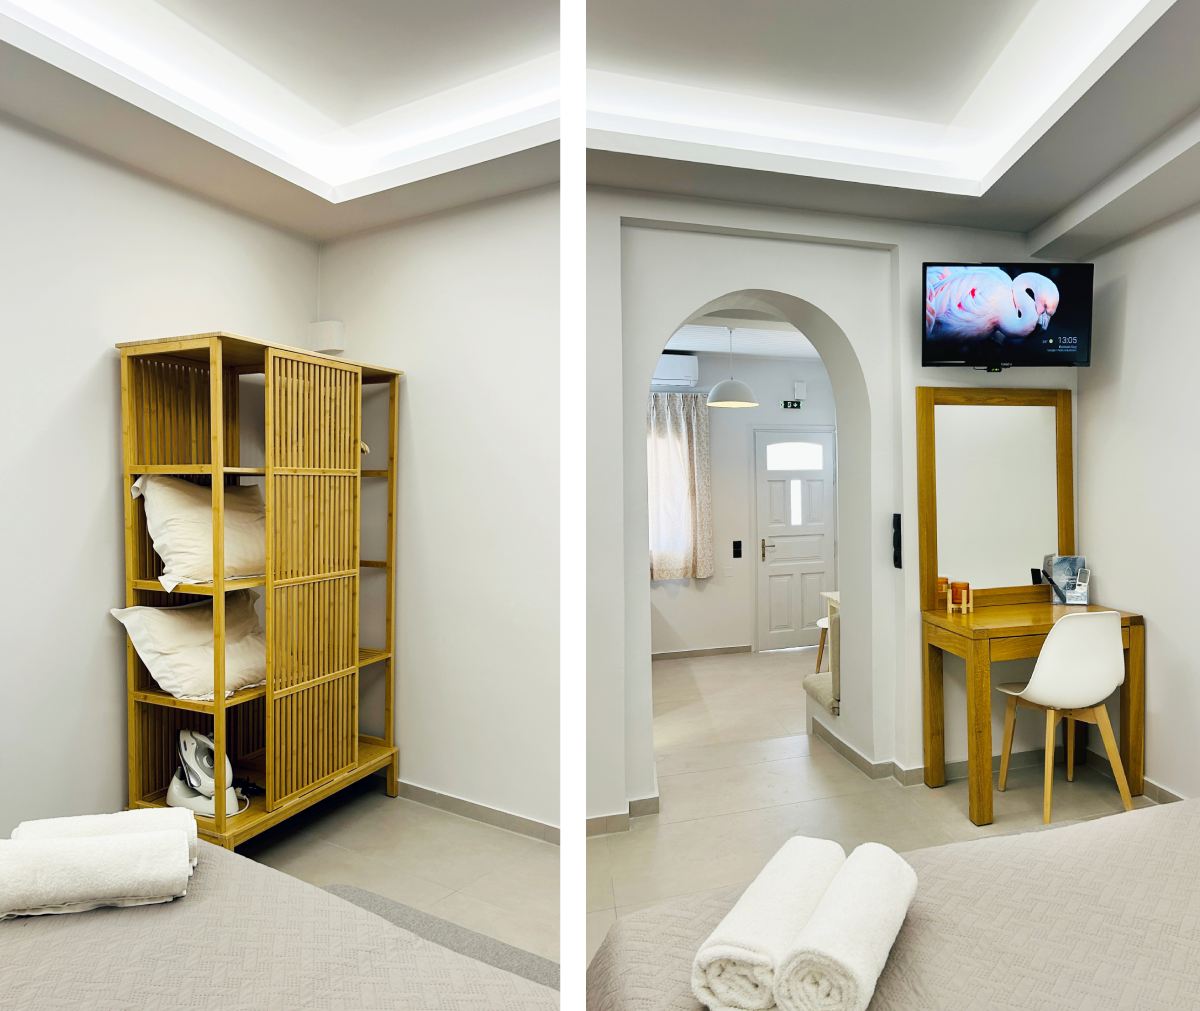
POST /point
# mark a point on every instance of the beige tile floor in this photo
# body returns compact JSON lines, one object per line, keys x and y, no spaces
{"x":491,"y":880}
{"x":738,"y":776}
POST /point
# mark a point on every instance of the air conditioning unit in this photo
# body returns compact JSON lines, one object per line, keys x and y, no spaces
{"x":677,"y":370}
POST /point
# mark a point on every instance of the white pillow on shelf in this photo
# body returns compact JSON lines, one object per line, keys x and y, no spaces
{"x":176,"y":645}
{"x":179,"y":519}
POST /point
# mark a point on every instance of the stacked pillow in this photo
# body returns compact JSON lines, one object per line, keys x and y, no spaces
{"x":176,"y":645}
{"x":179,"y":519}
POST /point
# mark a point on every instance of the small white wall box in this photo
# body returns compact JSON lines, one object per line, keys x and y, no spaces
{"x":327,"y":336}
{"x":799,"y":395}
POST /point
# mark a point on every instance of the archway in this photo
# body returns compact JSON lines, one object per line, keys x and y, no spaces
{"x":850,"y":395}
{"x":853,"y":498}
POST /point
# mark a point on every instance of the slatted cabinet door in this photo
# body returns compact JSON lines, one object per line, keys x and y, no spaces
{"x":313,"y":425}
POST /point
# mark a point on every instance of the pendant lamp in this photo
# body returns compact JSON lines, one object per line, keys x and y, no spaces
{"x":731,"y":392}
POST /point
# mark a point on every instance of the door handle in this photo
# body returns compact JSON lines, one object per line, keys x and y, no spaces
{"x":763,"y":545}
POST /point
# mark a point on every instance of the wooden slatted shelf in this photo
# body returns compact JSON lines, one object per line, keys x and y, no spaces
{"x":373,"y":755}
{"x":200,"y":589}
{"x":297,"y":736}
{"x":188,"y":469}
{"x":157,"y":697}
{"x":368,"y":656}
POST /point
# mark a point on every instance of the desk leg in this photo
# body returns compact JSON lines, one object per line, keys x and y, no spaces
{"x":934,"y":713}
{"x":979,"y":730}
{"x":1133,"y":711}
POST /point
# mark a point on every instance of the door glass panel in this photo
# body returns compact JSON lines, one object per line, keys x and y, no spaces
{"x":796,"y":494}
{"x":795,"y":456}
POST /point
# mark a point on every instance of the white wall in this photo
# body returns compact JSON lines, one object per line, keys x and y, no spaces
{"x":653,"y":261}
{"x":608,"y":689}
{"x":719,"y":611}
{"x":1138,"y":482}
{"x":466,"y":303}
{"x":92,"y":255}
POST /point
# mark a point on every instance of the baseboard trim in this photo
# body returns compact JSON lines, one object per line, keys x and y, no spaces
{"x":645,"y":806}
{"x":913,"y":777}
{"x":876,"y":770}
{"x":1157,"y":793}
{"x":958,"y":770}
{"x":480,"y":812}
{"x":1026,"y":759}
{"x":605,"y":823}
{"x":684,"y":654}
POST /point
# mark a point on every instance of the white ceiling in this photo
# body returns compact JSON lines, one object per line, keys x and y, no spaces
{"x":1110,"y":145}
{"x":754,"y":340}
{"x":1071,"y":121}
{"x":343,"y":101}
{"x":917,"y":61}
{"x":903,"y":95}
{"x":355,"y":60}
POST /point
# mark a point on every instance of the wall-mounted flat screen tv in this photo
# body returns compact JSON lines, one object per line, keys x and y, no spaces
{"x":994,"y":315}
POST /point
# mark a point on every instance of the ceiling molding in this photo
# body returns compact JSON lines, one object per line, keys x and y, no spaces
{"x":1123,"y":158}
{"x":200,"y":88}
{"x":63,"y":108}
{"x":1014,"y":101}
{"x":1158,"y":183}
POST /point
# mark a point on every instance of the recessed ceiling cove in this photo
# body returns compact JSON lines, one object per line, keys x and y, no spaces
{"x":937,"y":95}
{"x":344,"y":100}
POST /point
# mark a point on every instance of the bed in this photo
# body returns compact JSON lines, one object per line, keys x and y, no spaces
{"x":245,"y":936}
{"x":1104,"y":914}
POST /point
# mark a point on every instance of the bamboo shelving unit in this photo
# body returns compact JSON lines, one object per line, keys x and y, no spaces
{"x":297,"y":737}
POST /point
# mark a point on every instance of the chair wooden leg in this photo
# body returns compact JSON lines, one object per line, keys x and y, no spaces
{"x":1010,"y":725}
{"x":820,"y":648}
{"x":1070,"y":749}
{"x":1114,"y":756}
{"x":1051,"y":724}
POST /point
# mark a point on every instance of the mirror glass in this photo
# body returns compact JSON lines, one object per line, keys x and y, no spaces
{"x":997,"y":494}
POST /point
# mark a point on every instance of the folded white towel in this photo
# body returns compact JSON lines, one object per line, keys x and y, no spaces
{"x":836,"y":959}
{"x":157,"y":819}
{"x":735,"y":968}
{"x":39,"y":876}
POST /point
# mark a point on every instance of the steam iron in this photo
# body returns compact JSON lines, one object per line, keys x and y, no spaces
{"x":179,"y":794}
{"x":194,"y":783}
{"x":197,"y":760}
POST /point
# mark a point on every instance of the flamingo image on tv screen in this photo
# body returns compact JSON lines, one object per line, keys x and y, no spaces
{"x":993,"y":315}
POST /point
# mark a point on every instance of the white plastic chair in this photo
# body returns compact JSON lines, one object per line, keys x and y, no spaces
{"x":1081,"y":663}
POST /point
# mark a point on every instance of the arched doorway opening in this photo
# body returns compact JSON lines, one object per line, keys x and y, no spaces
{"x":734,"y":631}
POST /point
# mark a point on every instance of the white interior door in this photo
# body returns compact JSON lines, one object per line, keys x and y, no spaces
{"x":797,"y":534}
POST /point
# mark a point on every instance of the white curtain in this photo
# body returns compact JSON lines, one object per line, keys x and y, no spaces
{"x":677,"y":466}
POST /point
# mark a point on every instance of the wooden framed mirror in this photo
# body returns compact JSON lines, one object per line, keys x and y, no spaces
{"x":995,"y":489}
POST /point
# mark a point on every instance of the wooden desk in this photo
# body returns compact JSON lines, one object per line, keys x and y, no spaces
{"x":1014,"y":632}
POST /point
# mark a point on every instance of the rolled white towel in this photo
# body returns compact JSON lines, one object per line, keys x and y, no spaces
{"x":734,"y":969}
{"x":150,"y":819}
{"x":837,"y":957}
{"x":39,"y":876}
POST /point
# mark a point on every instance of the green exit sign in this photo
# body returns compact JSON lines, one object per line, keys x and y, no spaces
{"x":791,"y":405}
